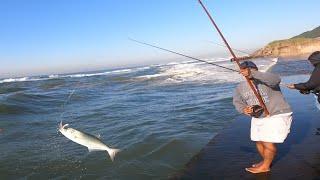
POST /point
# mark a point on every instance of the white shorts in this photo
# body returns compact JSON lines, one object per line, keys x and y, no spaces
{"x":273,"y":129}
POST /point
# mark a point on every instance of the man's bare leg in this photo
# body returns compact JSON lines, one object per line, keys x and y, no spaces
{"x":269,"y":153}
{"x":260,"y":149}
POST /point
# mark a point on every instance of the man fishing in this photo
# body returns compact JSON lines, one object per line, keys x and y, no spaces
{"x":265,"y":130}
{"x":313,"y":84}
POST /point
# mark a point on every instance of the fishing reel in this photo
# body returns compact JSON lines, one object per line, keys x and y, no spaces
{"x":257,"y":111}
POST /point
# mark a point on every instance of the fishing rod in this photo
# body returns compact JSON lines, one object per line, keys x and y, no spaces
{"x":250,"y":83}
{"x":237,"y":50}
{"x":242,"y":58}
{"x":180,"y":54}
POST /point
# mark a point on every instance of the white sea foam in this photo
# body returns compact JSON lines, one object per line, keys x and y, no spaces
{"x":85,"y":75}
{"x":265,"y":66}
{"x":188,"y":61}
{"x":53,"y":76}
{"x":173,"y":72}
{"x":15,"y":79}
{"x":173,"y":63}
{"x":143,"y":68}
{"x":151,"y":76}
{"x":9,"y":80}
{"x":120,"y":71}
{"x":194,"y":71}
{"x":79,"y":75}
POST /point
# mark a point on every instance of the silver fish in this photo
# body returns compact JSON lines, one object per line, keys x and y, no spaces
{"x":93,"y":143}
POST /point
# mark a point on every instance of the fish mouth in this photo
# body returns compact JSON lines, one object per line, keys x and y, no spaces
{"x":62,"y":126}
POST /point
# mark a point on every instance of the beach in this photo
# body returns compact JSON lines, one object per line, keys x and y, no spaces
{"x":144,"y":90}
{"x":227,"y":154}
{"x":160,"y":116}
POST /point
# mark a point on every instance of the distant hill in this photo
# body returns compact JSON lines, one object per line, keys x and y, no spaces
{"x":301,"y":45}
{"x":309,"y":34}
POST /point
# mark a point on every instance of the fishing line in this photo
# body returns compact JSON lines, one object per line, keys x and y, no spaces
{"x":65,"y":102}
{"x":71,"y":94}
{"x":180,"y":54}
{"x":237,"y":50}
{"x":256,"y":93}
{"x":243,"y":58}
{"x":241,"y":51}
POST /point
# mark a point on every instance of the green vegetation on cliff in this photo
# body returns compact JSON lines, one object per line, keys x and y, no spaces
{"x":309,"y":34}
{"x":294,"y":41}
{"x":298,"y":46}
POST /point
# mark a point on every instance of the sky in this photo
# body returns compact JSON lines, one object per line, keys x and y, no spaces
{"x":61,"y":36}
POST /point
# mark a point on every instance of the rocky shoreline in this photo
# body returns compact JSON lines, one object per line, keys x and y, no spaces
{"x":228,"y":153}
{"x":297,"y":48}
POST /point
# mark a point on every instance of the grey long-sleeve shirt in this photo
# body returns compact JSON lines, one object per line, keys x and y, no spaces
{"x":268,"y":86}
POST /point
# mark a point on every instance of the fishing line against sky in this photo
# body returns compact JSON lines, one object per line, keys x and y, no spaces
{"x":43,"y":37}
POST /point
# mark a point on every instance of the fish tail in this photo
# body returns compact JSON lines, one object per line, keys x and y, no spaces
{"x":112,"y":153}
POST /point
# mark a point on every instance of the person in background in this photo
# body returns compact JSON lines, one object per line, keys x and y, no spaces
{"x":265,"y":130}
{"x":313,"y":84}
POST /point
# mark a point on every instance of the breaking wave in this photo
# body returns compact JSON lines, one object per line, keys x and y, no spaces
{"x":78,"y":75}
{"x":172,"y":72}
{"x":191,"y":71}
{"x":22,"y":79}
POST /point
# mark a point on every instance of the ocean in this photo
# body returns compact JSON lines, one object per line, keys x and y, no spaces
{"x":158,"y":115}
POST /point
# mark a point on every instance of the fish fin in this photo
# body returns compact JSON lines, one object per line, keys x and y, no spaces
{"x":90,"y":150}
{"x":112,"y":153}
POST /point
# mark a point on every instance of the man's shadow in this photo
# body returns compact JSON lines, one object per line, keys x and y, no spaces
{"x":300,"y":129}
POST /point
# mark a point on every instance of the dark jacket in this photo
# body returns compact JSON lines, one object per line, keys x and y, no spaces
{"x":314,"y":82}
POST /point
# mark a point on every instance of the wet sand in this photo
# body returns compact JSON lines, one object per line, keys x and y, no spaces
{"x":228,"y":153}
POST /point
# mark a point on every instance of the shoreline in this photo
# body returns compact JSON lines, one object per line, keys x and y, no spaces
{"x":295,"y":58}
{"x":229,"y":152}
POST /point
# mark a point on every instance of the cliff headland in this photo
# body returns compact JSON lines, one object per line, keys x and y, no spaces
{"x":300,"y":46}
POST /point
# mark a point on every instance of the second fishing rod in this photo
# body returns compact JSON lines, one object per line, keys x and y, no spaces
{"x":235,"y":59}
